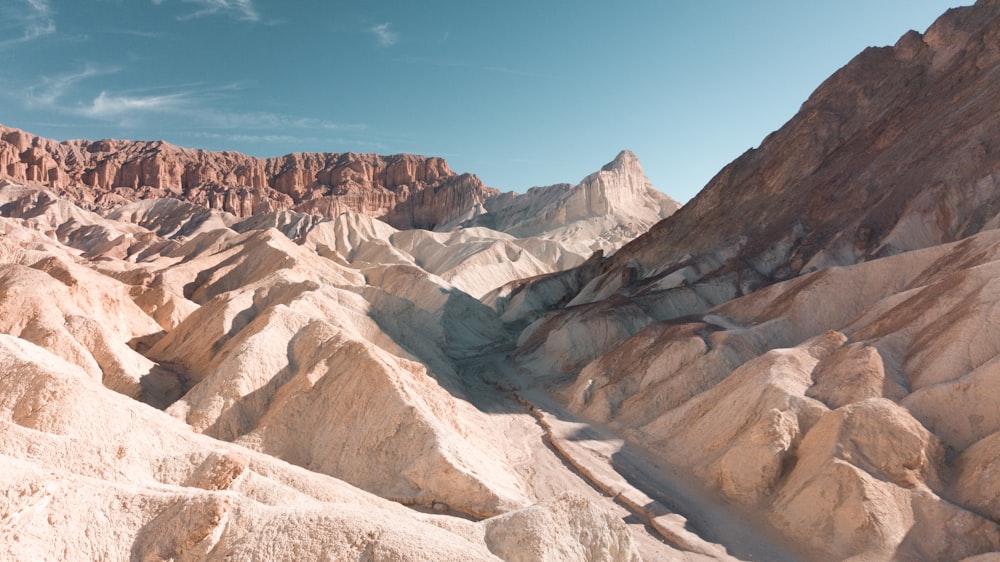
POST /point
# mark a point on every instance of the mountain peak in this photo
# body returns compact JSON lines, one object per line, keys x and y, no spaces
{"x":625,"y":159}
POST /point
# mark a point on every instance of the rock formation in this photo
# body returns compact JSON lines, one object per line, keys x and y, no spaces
{"x":799,"y":337}
{"x":800,"y":364}
{"x":406,"y":191}
{"x":260,"y":352}
{"x":604,"y":211}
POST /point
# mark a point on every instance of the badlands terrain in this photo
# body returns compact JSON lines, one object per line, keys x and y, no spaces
{"x":339,"y":356}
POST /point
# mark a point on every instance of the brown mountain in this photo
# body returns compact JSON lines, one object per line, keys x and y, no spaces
{"x":405,"y":190}
{"x":896,"y":151}
{"x":812,"y":337}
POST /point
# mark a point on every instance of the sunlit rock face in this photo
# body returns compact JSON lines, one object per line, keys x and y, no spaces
{"x":604,"y":211}
{"x":804,"y":357}
{"x":283,"y":386}
{"x":811,"y":337}
{"x":405,"y":190}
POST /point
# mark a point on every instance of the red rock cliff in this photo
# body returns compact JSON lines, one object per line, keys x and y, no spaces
{"x":405,"y":190}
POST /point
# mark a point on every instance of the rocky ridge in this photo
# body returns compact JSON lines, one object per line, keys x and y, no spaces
{"x":799,"y":365}
{"x":601,"y":213}
{"x":799,"y":336}
{"x":405,"y":190}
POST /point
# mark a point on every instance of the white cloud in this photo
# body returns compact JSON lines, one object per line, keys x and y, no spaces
{"x":51,"y":88}
{"x":385,"y":36}
{"x":112,"y":106}
{"x":242,"y":10}
{"x":31,"y":18}
{"x":200,"y":105}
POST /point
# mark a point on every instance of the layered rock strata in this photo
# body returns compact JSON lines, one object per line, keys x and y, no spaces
{"x":405,"y":190}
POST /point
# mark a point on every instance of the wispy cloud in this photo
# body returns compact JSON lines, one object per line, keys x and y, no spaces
{"x":28,"y":19}
{"x":321,"y":142}
{"x":242,"y":137}
{"x":257,"y":120}
{"x":109,"y":106}
{"x":135,"y":33}
{"x":52,"y":88}
{"x":242,"y":10}
{"x":384,"y":34}
{"x":199,"y":104}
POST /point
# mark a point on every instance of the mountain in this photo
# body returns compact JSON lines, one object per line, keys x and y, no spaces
{"x":811,"y":336}
{"x":545,"y":230}
{"x":405,"y":190}
{"x":896,"y":151}
{"x":800,"y":364}
{"x":342,"y":346}
{"x":225,"y":393}
{"x":604,"y":211}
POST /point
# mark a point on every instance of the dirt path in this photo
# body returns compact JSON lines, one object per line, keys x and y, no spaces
{"x":669,"y":504}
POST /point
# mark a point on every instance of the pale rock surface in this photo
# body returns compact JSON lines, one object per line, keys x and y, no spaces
{"x":290,"y":341}
{"x":475,"y":260}
{"x":811,"y":341}
{"x":525,"y":535}
{"x":76,"y":454}
{"x":343,"y":368}
{"x":845,"y":436}
{"x":604,"y":211}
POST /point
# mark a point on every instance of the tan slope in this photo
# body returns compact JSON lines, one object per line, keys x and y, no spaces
{"x":90,"y":474}
{"x":472,"y":260}
{"x":344,"y":371}
{"x":853,"y":405}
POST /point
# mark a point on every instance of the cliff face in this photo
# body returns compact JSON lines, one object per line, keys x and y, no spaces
{"x":601,"y":213}
{"x":620,"y":189}
{"x":405,"y":190}
{"x":898,"y":150}
{"x":812,"y":336}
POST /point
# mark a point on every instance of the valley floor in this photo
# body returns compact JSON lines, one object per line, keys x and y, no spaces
{"x":671,"y":517}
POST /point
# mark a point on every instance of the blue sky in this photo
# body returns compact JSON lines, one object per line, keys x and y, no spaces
{"x":521,"y":93}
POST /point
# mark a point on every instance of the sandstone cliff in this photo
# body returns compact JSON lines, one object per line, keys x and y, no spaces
{"x":406,"y":191}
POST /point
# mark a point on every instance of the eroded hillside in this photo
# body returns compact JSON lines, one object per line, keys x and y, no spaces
{"x":799,"y":364}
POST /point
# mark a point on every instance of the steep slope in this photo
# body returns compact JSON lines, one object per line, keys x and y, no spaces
{"x":896,"y":151}
{"x":604,"y":211}
{"x":812,"y":336}
{"x":91,"y":474}
{"x":261,"y":349}
{"x":405,"y":190}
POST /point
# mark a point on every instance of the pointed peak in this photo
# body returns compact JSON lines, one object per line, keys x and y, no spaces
{"x":625,"y":158}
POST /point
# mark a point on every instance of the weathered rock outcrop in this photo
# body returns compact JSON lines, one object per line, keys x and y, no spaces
{"x":812,"y":336}
{"x":258,"y":348}
{"x":604,"y":211}
{"x":405,"y":190}
{"x":898,"y":150}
